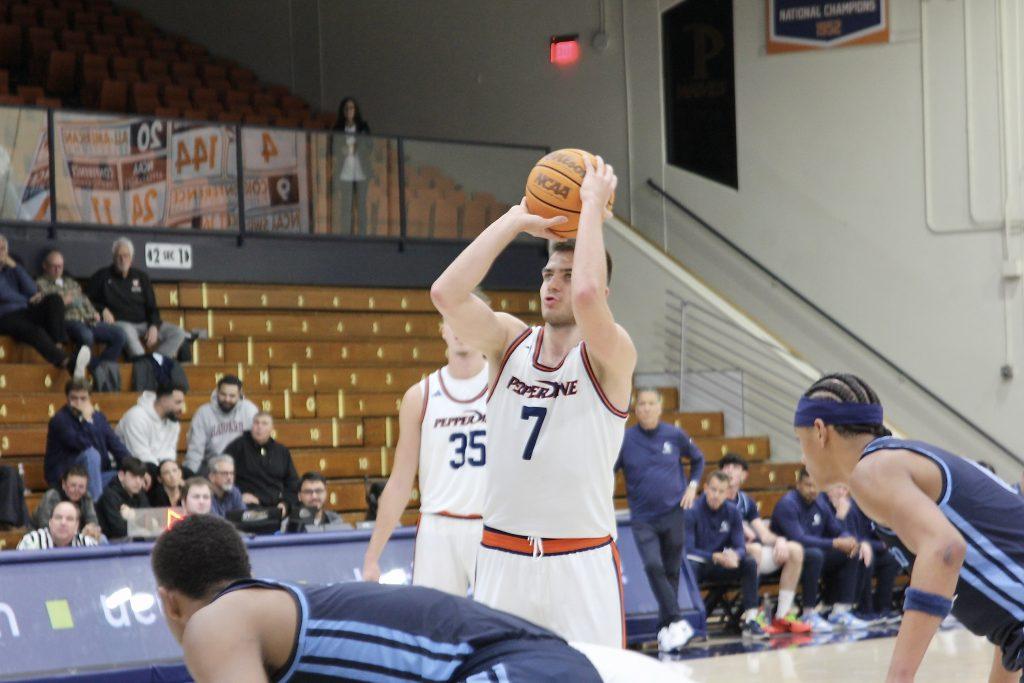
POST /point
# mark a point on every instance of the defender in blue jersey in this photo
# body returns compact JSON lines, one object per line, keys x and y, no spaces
{"x":954,"y":525}
{"x":235,"y":628}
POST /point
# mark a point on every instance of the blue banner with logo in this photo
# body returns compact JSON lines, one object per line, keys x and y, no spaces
{"x":91,"y":610}
{"x":816,"y":24}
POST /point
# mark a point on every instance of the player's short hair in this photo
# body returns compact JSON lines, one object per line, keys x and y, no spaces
{"x":570,"y":245}
{"x":721,"y":476}
{"x":733,"y":459}
{"x":199,"y":556}
{"x":847,"y":388}
{"x":230,"y":379}
{"x":312,"y":476}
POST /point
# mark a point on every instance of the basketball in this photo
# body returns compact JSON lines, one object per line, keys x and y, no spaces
{"x":553,"y":188}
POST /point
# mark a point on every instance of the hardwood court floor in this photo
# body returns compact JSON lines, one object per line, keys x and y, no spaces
{"x":954,"y":657}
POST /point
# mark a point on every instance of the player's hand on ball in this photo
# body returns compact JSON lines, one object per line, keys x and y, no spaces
{"x":538,"y":226}
{"x":371,"y":572}
{"x":598,"y":183}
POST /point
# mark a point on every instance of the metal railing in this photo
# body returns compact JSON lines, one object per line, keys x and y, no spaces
{"x":859,"y":341}
{"x":70,"y":169}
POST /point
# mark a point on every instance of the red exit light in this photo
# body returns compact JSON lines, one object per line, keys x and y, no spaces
{"x":565,"y":50}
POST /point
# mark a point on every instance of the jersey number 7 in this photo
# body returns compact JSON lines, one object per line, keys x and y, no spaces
{"x":530,"y":412}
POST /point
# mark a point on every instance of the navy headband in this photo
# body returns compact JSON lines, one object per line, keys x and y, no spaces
{"x":833,"y":413}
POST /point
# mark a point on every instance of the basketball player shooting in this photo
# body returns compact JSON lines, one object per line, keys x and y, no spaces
{"x":955,"y":524}
{"x":443,"y":435}
{"x":556,"y":416}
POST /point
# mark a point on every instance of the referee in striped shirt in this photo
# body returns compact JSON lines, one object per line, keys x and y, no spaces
{"x":61,"y":532}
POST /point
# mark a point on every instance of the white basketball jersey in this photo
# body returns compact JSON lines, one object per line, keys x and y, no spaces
{"x":453,"y":444}
{"x":554,"y":439}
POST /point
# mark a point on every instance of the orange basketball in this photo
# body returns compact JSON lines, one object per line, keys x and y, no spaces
{"x":553,"y":188}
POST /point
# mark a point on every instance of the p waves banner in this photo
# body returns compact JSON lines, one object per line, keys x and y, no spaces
{"x":817,"y":24}
{"x":178,"y":174}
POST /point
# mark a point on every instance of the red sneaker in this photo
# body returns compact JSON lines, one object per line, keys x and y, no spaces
{"x":792,"y":625}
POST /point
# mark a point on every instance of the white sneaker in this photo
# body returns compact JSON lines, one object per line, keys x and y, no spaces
{"x":675,"y":636}
{"x":81,"y":362}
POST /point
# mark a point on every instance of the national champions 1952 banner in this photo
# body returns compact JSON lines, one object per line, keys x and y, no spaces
{"x":820,"y":24}
{"x":177,"y":174}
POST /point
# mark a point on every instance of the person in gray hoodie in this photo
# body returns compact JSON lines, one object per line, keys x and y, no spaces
{"x":150,"y":428}
{"x":217,"y":424}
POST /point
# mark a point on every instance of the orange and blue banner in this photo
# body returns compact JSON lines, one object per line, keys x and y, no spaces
{"x":795,"y":25}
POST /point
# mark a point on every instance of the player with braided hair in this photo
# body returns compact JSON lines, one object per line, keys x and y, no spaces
{"x":953,"y":523}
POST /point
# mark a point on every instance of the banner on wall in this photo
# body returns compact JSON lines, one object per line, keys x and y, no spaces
{"x":820,"y":24}
{"x":276,"y":170}
{"x":178,"y":174}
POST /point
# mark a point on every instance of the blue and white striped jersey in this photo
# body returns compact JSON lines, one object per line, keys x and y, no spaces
{"x":990,"y":517}
{"x":371,"y":632}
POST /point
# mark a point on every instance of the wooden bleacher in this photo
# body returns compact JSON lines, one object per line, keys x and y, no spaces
{"x":331,"y":365}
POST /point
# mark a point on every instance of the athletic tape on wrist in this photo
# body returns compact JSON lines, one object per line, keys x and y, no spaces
{"x":929,"y":603}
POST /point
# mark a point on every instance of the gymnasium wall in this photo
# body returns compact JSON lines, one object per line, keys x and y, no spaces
{"x":832,"y":172}
{"x":462,"y":69}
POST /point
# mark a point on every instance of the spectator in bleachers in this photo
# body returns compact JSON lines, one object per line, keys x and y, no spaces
{"x":353,"y":166}
{"x":34,"y":318}
{"x":150,"y":428}
{"x":81,"y":320}
{"x":74,"y":489}
{"x":60,"y":532}
{"x":126,"y":298}
{"x":13,"y":511}
{"x":659,"y":491}
{"x":264,"y":469}
{"x":311,"y":513}
{"x":78,"y":434}
{"x":197,"y":496}
{"x":830,"y":552}
{"x":716,"y":549}
{"x":122,"y":497}
{"x":226,"y":496}
{"x":218,"y":423}
{"x":877,"y":563}
{"x":168,"y":490}
{"x":770,"y":551}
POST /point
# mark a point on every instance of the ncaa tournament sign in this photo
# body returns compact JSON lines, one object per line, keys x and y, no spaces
{"x":819,"y":24}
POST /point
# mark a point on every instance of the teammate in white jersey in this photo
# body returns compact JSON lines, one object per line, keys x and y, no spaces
{"x":556,"y":415}
{"x":443,"y":434}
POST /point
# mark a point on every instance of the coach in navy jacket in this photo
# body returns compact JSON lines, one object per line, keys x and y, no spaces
{"x":830,"y":551}
{"x":658,"y":491}
{"x":715,"y":545}
{"x":72,"y":438}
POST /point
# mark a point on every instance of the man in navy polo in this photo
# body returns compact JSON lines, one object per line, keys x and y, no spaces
{"x":830,"y":552}
{"x":659,"y":490}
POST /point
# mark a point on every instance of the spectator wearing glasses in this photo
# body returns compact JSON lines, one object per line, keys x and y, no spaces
{"x":34,"y":318}
{"x":311,"y":514}
{"x":226,"y":497}
{"x":82,"y":321}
